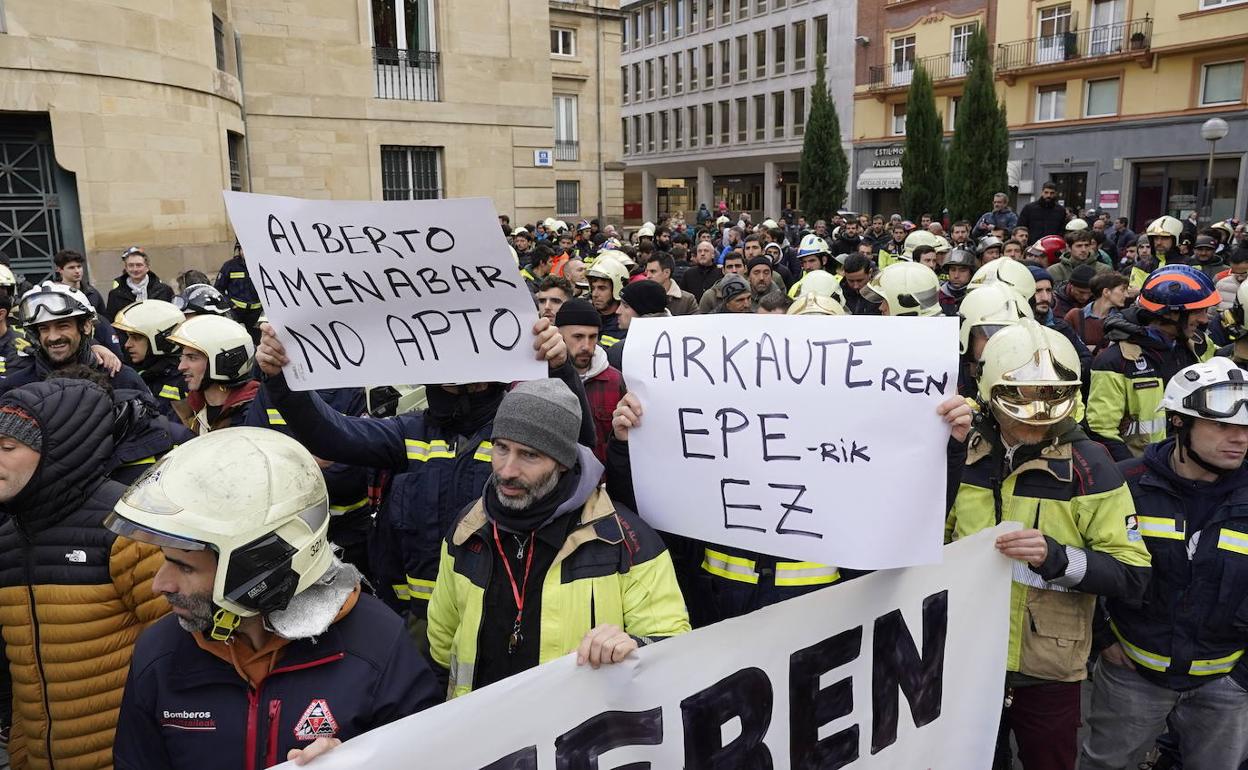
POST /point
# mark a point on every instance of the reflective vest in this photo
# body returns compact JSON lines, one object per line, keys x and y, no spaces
{"x":1127,"y":385}
{"x":743,"y":581}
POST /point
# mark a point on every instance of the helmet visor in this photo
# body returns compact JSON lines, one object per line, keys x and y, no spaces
{"x":1218,"y":401}
{"x":129,"y":529}
{"x":1036,"y":404}
{"x":46,"y":306}
{"x":871,"y":295}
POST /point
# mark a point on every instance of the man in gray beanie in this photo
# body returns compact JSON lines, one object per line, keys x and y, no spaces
{"x":542,"y":510}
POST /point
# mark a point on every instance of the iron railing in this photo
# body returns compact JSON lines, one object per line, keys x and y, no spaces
{"x":567,"y":149}
{"x":1094,"y":42}
{"x":899,"y":74}
{"x":406,"y":74}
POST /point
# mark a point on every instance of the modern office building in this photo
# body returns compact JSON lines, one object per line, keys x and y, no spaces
{"x":121,"y":122}
{"x":715,"y":95}
{"x":1106,"y":98}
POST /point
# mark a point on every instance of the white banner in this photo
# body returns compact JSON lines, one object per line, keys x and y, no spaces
{"x":808,"y":438}
{"x":897,"y":669}
{"x":382,"y":292}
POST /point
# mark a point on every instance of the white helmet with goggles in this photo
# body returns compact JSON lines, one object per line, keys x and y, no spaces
{"x":1215,"y":390}
{"x":52,"y":301}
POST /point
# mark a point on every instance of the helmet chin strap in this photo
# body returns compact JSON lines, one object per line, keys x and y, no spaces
{"x":224,"y":623}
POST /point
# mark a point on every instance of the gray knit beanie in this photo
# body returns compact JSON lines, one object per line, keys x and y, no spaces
{"x":544,"y":415}
{"x":19,"y":424}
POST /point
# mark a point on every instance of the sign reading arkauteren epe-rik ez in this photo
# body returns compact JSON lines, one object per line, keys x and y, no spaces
{"x":379,"y":292}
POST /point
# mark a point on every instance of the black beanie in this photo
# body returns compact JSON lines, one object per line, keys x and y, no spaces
{"x":759,"y":260}
{"x":644,"y":297}
{"x":1082,"y":276}
{"x":578,"y":312}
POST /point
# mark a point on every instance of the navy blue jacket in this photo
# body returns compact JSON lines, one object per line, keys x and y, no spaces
{"x":1193,"y":623}
{"x":34,"y":367}
{"x":187,"y":709}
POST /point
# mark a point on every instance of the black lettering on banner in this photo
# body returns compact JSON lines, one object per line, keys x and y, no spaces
{"x":747,"y":695}
{"x":499,"y":314}
{"x":521,"y":759}
{"x":409,"y":338}
{"x":376,"y":237}
{"x":823,"y":357}
{"x":270,"y":288}
{"x":404,"y":235}
{"x":896,"y":664}
{"x":728,"y":354}
{"x":889,"y":377}
{"x":493,"y":276}
{"x":431,"y":333}
{"x":299,"y":284}
{"x":788,"y":361}
{"x":913,"y":381}
{"x":767,"y":437}
{"x":397,"y":279}
{"x":328,"y":350}
{"x":663,"y":349}
{"x":684,"y":432}
{"x":277,"y":234}
{"x":468,"y":325}
{"x":851,"y":362}
{"x":811,"y":707}
{"x":790,"y":507}
{"x":580,"y":747}
{"x":447,"y":240}
{"x":724,"y":430}
{"x":324,"y":232}
{"x":760,"y":357}
{"x":463,"y":277}
{"x":348,"y":239}
{"x":723,"y":498}
{"x":330,"y":288}
{"x":356,"y":287}
{"x":431,"y":280}
{"x":693,"y":356}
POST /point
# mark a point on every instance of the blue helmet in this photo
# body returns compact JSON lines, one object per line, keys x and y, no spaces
{"x":1177,"y":287}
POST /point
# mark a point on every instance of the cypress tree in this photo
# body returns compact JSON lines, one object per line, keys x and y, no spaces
{"x":923,"y":163}
{"x":824,"y":169}
{"x":981,"y":146}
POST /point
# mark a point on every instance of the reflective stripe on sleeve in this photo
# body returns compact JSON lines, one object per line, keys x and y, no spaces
{"x":275,"y":417}
{"x":171,"y":392}
{"x":144,"y":461}
{"x":1232,"y":540}
{"x":238,"y":274}
{"x":1159,"y":526}
{"x":339,"y":510}
{"x":401,"y":592}
{"x":729,"y":567}
{"x":419,"y":589}
{"x":485,"y":452}
{"x":1149,"y":660}
{"x":428,"y":450}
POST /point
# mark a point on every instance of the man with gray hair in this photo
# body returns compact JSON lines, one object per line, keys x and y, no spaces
{"x":494,"y":610}
{"x":1001,"y":216}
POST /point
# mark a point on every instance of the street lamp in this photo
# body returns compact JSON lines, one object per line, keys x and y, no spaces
{"x":1211,"y":131}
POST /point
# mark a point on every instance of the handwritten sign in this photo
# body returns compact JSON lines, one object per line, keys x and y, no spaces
{"x":377,"y":292}
{"x":808,"y":438}
{"x":898,"y":669}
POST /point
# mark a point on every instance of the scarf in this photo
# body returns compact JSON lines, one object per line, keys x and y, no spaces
{"x":140,"y":288}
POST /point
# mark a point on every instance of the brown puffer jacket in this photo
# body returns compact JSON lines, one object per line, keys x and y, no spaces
{"x":73,"y":596}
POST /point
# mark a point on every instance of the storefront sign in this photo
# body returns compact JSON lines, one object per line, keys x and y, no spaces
{"x":1109,"y":199}
{"x":888,"y":156}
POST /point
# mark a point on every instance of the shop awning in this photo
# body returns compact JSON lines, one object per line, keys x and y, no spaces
{"x":886,"y":178}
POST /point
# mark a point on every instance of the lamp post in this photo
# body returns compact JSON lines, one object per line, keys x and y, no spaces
{"x":1211,"y":131}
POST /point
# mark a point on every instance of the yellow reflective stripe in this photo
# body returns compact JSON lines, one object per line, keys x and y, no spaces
{"x":144,"y":461}
{"x":275,"y":417}
{"x":170,"y":392}
{"x":484,"y":452}
{"x":239,"y":303}
{"x":238,"y":275}
{"x":1230,"y":540}
{"x":606,"y":340}
{"x":729,"y":567}
{"x":1215,"y":665}
{"x":1145,"y":427}
{"x":1159,"y":526}
{"x":1144,"y":658}
{"x":805,"y":573}
{"x":338,"y":510}
{"x":401,"y":592}
{"x":419,"y":589}
{"x":428,"y":450}
{"x":3,"y":366}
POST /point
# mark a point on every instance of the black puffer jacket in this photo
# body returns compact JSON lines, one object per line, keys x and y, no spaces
{"x":73,"y":596}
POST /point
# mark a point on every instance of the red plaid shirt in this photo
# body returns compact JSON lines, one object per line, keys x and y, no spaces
{"x":604,"y":391}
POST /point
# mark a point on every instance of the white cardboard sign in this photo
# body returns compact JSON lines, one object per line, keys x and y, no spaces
{"x":808,"y":438}
{"x":897,"y":669}
{"x":380,"y":292}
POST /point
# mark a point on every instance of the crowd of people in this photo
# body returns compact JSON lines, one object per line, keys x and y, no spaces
{"x":202,"y":567}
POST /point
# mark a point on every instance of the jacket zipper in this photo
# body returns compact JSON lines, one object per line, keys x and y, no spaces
{"x":34,"y":625}
{"x":253,"y":709}
{"x":275,"y":713}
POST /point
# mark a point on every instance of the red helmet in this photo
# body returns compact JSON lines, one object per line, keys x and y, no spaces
{"x":1050,"y":247}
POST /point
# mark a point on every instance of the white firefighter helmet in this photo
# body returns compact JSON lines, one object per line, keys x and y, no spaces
{"x":254,"y":496}
{"x":224,"y":342}
{"x":812,"y":244}
{"x":989,"y":308}
{"x":51,"y":301}
{"x":1076,"y":224}
{"x":1030,"y":373}
{"x":153,"y":319}
{"x":909,"y":289}
{"x":646,"y":230}
{"x":608,"y":269}
{"x":1012,"y":273}
{"x":918,"y":238}
{"x":819,"y":293}
{"x":7,"y":279}
{"x":1211,"y":390}
{"x":1167,"y":226}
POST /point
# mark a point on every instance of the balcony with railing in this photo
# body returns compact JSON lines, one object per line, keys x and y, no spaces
{"x":567,"y":149}
{"x":401,"y":73}
{"x":1123,"y":39}
{"x":899,"y":74}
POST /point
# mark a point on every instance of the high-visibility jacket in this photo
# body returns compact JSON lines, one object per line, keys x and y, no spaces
{"x":743,"y":581}
{"x":232,"y":281}
{"x":612,"y":568}
{"x":1072,"y":492}
{"x":1193,"y":623}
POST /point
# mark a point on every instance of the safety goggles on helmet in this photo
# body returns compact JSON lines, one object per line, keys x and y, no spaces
{"x":126,"y":528}
{"x":48,"y":306}
{"x":1219,"y":401}
{"x":870,"y":295}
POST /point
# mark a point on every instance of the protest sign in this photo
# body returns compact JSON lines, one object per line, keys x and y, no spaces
{"x":381,"y":292}
{"x":897,"y":669}
{"x":808,"y":438}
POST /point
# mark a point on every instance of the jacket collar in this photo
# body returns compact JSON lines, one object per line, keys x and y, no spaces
{"x":243,"y":394}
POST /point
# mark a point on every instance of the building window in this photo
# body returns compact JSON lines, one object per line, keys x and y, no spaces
{"x":954,"y":101}
{"x":649,"y":132}
{"x":799,"y":46}
{"x":693,"y":126}
{"x":693,"y":16}
{"x":779,"y":4}
{"x":628,"y":148}
{"x":760,"y":54}
{"x":725,"y":12}
{"x":708,"y":64}
{"x":760,"y":117}
{"x":636,"y":82}
{"x":678,"y":128}
{"x":563,"y":41}
{"x":678,"y":72}
{"x":218,"y":40}
{"x":1053,"y":25}
{"x":799,"y":111}
{"x":903,"y":60}
{"x":725,"y":61}
{"x":649,"y":25}
{"x":411,"y":173}
{"x":624,"y":85}
{"x":777,"y":114}
{"x":742,"y":115}
{"x":406,"y":24}
{"x":779,"y":52}
{"x":761,"y":7}
{"x":743,"y":58}
{"x":234,"y":146}
{"x":724,"y":122}
{"x":743,"y":9}
{"x":650,"y":78}
{"x":567,"y":145}
{"x":897,"y":126}
{"x":708,"y":20}
{"x":636,"y":134}
{"x":693,"y":69}
{"x":1221,"y":83}
{"x":958,"y":65}
{"x":1206,"y":4}
{"x":637,"y":29}
{"x":567,"y":198}
{"x":1051,"y":102}
{"x":1100,"y":98}
{"x":821,"y":35}
{"x":680,"y":17}
{"x":662,"y":22}
{"x":662,"y":76}
{"x":708,"y":124}
{"x":663,"y":127}
{"x":404,"y":60}
{"x":628,"y":33}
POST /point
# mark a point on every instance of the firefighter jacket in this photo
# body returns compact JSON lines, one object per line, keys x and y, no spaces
{"x":232,"y":281}
{"x":200,"y":418}
{"x":167,"y":384}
